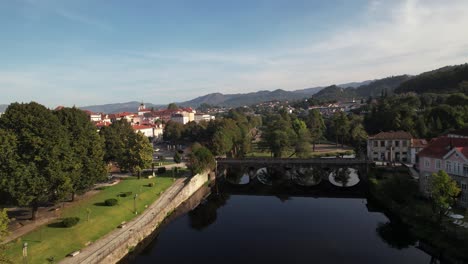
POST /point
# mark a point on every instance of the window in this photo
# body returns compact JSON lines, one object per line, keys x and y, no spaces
{"x":465,"y":170}
{"x":405,"y":143}
{"x":382,"y":143}
{"x":376,"y":143}
{"x":389,"y":143}
{"x":463,"y":186}
{"x":427,"y":163}
{"x":397,"y":143}
{"x":376,"y":154}
{"x":438,"y":164}
{"x":448,"y":166}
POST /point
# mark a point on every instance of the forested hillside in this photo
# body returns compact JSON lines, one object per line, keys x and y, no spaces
{"x":448,"y":79}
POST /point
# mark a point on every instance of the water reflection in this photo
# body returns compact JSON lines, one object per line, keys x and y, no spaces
{"x":307,"y":176}
{"x":396,"y":235}
{"x":243,"y":224}
{"x":206,"y":213}
{"x":344,"y":177}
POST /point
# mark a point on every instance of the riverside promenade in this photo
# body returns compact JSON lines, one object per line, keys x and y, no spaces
{"x":113,"y":246}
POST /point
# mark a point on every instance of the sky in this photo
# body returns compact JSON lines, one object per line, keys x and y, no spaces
{"x":85,"y":52}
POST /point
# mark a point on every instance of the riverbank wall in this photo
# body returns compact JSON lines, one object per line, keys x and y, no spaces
{"x":116,"y":245}
{"x":191,"y":186}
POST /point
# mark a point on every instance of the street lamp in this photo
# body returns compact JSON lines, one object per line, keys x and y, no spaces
{"x":25,"y":252}
{"x":134,"y":203}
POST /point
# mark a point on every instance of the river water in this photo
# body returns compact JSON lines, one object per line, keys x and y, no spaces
{"x":266,"y":224}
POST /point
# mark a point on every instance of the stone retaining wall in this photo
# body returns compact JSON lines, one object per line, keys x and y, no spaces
{"x":117,"y":244}
{"x":194,"y":184}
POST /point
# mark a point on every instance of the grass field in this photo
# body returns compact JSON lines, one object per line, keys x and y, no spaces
{"x":51,"y":240}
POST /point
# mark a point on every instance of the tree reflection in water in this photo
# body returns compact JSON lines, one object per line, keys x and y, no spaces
{"x":206,"y":213}
{"x":396,"y":235}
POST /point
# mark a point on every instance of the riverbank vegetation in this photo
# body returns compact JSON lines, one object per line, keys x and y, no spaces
{"x":96,"y":219}
{"x":398,"y":194}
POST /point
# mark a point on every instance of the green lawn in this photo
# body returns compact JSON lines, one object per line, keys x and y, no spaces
{"x":50,"y":241}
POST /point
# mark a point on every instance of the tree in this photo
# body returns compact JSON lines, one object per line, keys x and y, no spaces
{"x":86,"y":150}
{"x":200,"y":159}
{"x":140,"y":153}
{"x":340,"y":127}
{"x":177,"y":158}
{"x":131,"y":151}
{"x":443,"y":192}
{"x":277,"y":134}
{"x":172,"y":106}
{"x":3,"y":233}
{"x":43,"y":156}
{"x":316,"y":126}
{"x":173,"y":132}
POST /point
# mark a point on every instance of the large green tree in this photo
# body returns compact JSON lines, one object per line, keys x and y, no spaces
{"x":340,"y":126}
{"x":200,"y":159}
{"x":131,"y":151}
{"x":42,"y":147}
{"x":87,"y":164}
{"x":3,"y":233}
{"x":316,"y":125}
{"x":443,"y":191}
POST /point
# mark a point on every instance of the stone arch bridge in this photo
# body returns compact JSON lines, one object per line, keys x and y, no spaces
{"x":282,"y":165}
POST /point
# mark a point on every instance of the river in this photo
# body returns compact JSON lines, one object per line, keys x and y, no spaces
{"x":267,"y":224}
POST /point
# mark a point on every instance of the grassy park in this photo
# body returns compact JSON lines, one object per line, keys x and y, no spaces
{"x":55,"y":241}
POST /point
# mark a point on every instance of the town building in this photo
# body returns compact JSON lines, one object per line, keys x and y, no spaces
{"x":449,"y":154}
{"x":416,"y":146}
{"x":147,"y":130}
{"x":203,"y":117}
{"x":390,"y":147}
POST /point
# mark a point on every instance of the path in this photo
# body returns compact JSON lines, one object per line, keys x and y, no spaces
{"x":20,"y":224}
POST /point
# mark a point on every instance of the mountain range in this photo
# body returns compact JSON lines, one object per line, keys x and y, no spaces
{"x":446,"y":79}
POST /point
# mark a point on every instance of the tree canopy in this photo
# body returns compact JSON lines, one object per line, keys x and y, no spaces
{"x":40,"y":165}
{"x":443,"y":192}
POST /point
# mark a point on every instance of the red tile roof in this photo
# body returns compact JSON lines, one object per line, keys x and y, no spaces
{"x":418,"y":143}
{"x":139,"y":127}
{"x":439,"y":147}
{"x":392,"y":135}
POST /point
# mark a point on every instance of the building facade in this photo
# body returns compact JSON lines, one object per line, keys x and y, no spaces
{"x":390,"y":147}
{"x":449,"y":154}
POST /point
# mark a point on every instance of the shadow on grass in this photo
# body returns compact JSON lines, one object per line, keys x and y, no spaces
{"x":56,"y":225}
{"x":100,"y":204}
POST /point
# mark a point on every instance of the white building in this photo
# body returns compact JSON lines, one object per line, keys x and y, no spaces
{"x":145,"y":129}
{"x":182,"y":118}
{"x":203,"y":117}
{"x":390,"y":146}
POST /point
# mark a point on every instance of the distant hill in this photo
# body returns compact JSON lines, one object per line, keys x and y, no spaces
{"x":309,"y":91}
{"x":335,"y":92}
{"x":236,"y":100}
{"x":444,"y":80}
{"x":354,"y":84}
{"x":373,"y":88}
{"x":118,"y":107}
{"x":376,"y":87}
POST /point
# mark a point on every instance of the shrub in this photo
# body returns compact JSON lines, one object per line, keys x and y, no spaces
{"x":70,"y":221}
{"x":111,"y":202}
{"x":161,"y":170}
{"x":125,"y":194}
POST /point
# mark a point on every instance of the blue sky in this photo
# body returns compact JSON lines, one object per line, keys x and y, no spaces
{"x":86,"y":52}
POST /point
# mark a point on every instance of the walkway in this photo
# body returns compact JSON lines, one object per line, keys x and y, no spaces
{"x":96,"y":251}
